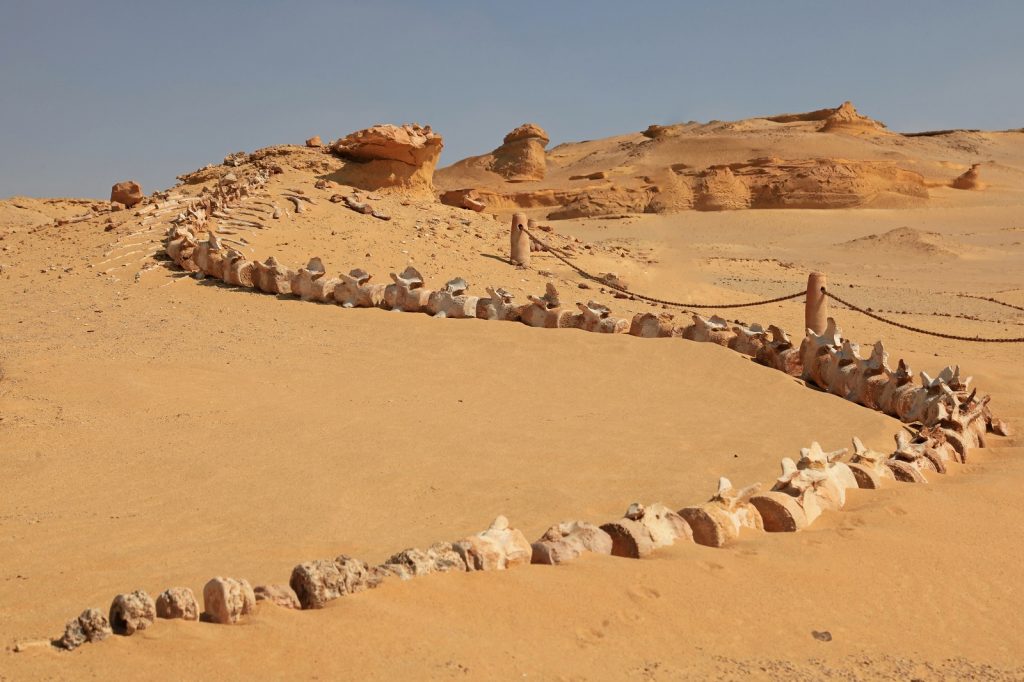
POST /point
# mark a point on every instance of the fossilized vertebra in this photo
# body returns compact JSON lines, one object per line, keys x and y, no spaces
{"x":720,"y":519}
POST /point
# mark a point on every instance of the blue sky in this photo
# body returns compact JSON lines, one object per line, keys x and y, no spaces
{"x":92,"y":92}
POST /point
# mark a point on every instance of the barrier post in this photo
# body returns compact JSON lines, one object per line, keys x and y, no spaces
{"x":520,"y":254}
{"x":816,"y":308}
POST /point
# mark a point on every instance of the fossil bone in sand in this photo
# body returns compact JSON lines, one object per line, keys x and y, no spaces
{"x":719,"y":520}
{"x":209,"y":257}
{"x":407,"y":293}
{"x":355,"y":291}
{"x":498,"y":306}
{"x":595,"y":317}
{"x":177,"y":602}
{"x":237,"y":270}
{"x":90,"y":626}
{"x":226,"y":600}
{"x":279,"y":595}
{"x":545,"y":311}
{"x":839,"y":476}
{"x":779,"y":353}
{"x":651,"y":325}
{"x":498,"y":548}
{"x":868,"y":466}
{"x":271,"y":277}
{"x":644,"y":529}
{"x":452,"y":301}
{"x":132,"y":611}
{"x":566,"y":541}
{"x":714,"y":330}
{"x":438,"y":558}
{"x":814,"y":352}
{"x":320,"y":581}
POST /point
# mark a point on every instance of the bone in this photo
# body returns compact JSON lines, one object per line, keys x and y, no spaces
{"x":90,"y":626}
{"x":714,"y":330}
{"x":651,"y":326}
{"x":720,"y":520}
{"x":411,"y":563}
{"x":237,"y":270}
{"x":499,"y":305}
{"x":814,"y":352}
{"x":498,"y":548}
{"x":546,"y":311}
{"x":868,"y":466}
{"x":355,"y":291}
{"x":595,"y":317}
{"x":452,"y":301}
{"x":323,"y":580}
{"x":297,"y":202}
{"x":566,"y":541}
{"x":839,"y":477}
{"x":304,"y":281}
{"x":177,"y":603}
{"x":748,"y":340}
{"x":279,"y":595}
{"x":131,"y":612}
{"x":779,"y":353}
{"x":407,"y":293}
{"x":227,"y":600}
{"x":644,"y":529}
{"x":271,"y":277}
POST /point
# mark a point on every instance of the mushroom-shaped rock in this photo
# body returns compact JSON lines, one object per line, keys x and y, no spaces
{"x":566,"y":541}
{"x":644,"y":529}
{"x":355,"y":291}
{"x":521,"y":155}
{"x":226,"y":600}
{"x":651,"y":325}
{"x":320,"y":581}
{"x":720,"y":520}
{"x":128,"y":193}
{"x":714,"y":330}
{"x":595,"y":317}
{"x":177,"y":602}
{"x":131,"y":611}
{"x":90,"y":626}
{"x":498,"y":548}
{"x":279,"y":595}
{"x":440,"y":557}
{"x":388,"y":156}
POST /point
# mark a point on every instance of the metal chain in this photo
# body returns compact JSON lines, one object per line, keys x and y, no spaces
{"x":992,"y":300}
{"x":917,"y":329}
{"x":560,"y":255}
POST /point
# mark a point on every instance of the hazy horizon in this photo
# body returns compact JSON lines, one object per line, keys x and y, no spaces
{"x":97,"y":92}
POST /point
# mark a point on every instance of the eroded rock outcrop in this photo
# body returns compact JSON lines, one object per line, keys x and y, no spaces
{"x":845,"y":118}
{"x":521,"y":155}
{"x":969,"y":179}
{"x":388,"y":156}
{"x":128,"y":193}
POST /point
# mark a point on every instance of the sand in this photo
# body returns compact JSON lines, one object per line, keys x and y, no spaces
{"x":159,"y":431}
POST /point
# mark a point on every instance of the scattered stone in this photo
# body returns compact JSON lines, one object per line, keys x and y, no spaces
{"x":226,"y":600}
{"x":314,"y":141}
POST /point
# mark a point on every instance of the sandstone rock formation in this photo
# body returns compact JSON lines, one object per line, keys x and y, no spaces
{"x":566,"y":541}
{"x":322,"y":580}
{"x":970,"y":179}
{"x":846,"y":119}
{"x":177,"y":602}
{"x":388,"y":156}
{"x":720,"y":190}
{"x":90,"y":626}
{"x":521,"y":155}
{"x":131,"y":611}
{"x":498,"y":548}
{"x":314,"y":141}
{"x":128,"y":193}
{"x":226,"y":600}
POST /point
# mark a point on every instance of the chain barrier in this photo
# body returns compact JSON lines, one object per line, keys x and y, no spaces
{"x":560,"y":255}
{"x":940,"y":335}
{"x":992,"y":300}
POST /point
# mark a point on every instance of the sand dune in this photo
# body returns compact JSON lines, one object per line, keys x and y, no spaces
{"x":160,"y":430}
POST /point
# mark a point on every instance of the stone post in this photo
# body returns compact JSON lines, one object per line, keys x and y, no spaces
{"x":816,"y":308}
{"x":520,"y":241}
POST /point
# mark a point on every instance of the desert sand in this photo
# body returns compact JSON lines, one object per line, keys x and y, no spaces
{"x":159,"y":430}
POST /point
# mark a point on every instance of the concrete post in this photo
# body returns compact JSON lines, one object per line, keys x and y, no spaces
{"x":816,"y":308}
{"x":520,"y":241}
